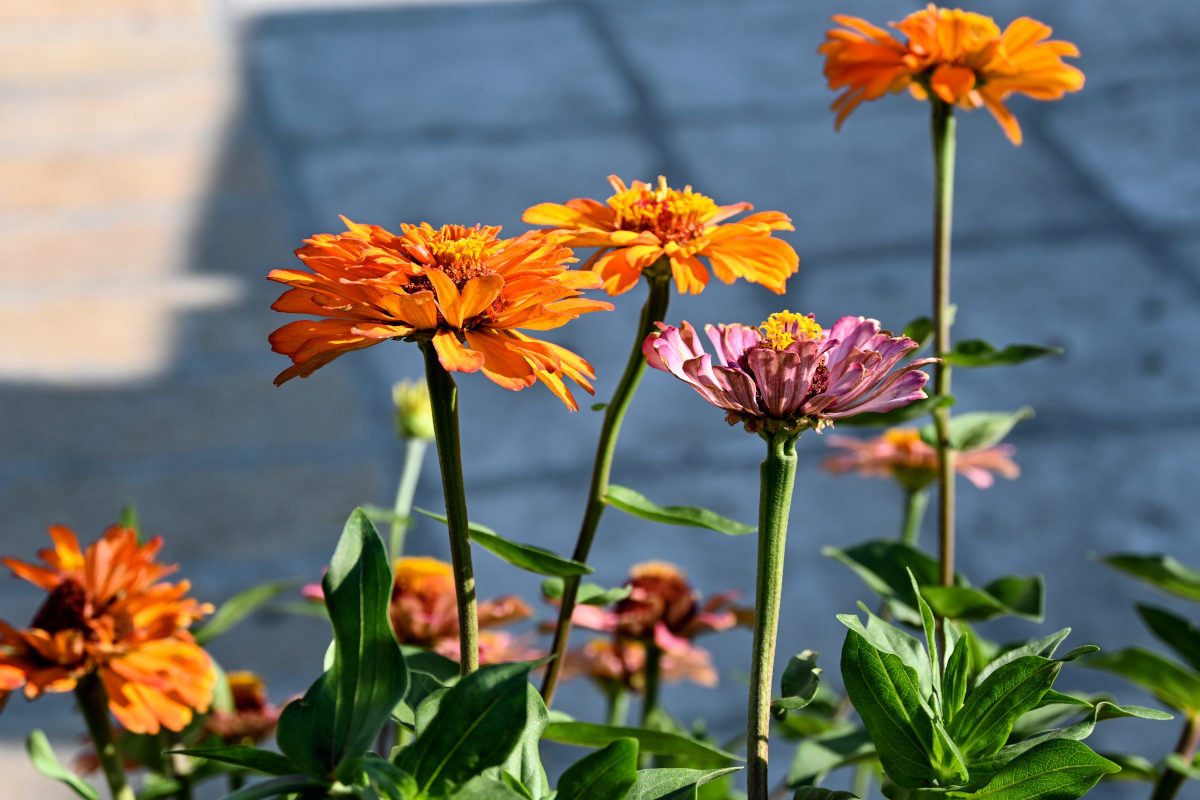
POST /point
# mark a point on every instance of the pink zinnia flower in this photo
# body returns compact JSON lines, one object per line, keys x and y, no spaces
{"x":622,"y":663}
{"x":789,"y":373}
{"x":901,"y":454}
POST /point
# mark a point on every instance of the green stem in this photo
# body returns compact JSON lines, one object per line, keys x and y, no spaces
{"x":862,"y":781}
{"x":414,"y":456}
{"x":618,"y":706}
{"x":1168,"y":783}
{"x":653,"y":673}
{"x":93,"y":702}
{"x":943,"y":207}
{"x":237,"y":779}
{"x":653,"y":311}
{"x":915,"y":503}
{"x":443,"y":397}
{"x":778,"y":475}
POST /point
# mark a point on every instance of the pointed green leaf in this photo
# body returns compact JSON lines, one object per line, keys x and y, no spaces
{"x":978,"y":429}
{"x":1133,"y":767}
{"x":129,"y":519}
{"x":1179,"y":634}
{"x":1160,"y":571}
{"x":976,"y":605}
{"x":1044,"y":647}
{"x":343,"y":711}
{"x":589,"y":734}
{"x":478,"y":723}
{"x":673,"y":784}
{"x":817,"y":793}
{"x":956,"y":678}
{"x":631,"y":502}
{"x":888,"y":638}
{"x":252,"y":758}
{"x":920,"y":330}
{"x":1169,"y":681}
{"x":590,"y":594}
{"x":44,"y":761}
{"x":988,"y":714}
{"x":481,"y":787}
{"x":526,"y":556}
{"x":799,"y":684}
{"x":819,"y":755}
{"x":237,"y":608}
{"x":979,"y":353}
{"x":279,"y":787}
{"x":524,"y":763}
{"x":1060,"y":769}
{"x":899,"y":415}
{"x":607,"y":774}
{"x":928,"y":626}
{"x":428,"y":672}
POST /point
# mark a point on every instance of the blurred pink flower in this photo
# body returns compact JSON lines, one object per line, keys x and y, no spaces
{"x":789,"y":373}
{"x":622,"y":663}
{"x":495,"y":647}
{"x":901,"y":454}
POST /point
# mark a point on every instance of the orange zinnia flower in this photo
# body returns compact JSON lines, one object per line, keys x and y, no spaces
{"x":961,"y":57}
{"x":641,"y":224}
{"x":450,"y":284}
{"x":109,"y":614}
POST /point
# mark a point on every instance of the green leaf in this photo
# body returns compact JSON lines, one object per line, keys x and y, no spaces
{"x":607,"y":774}
{"x":276,"y":787}
{"x":345,"y":709}
{"x":1177,"y":763}
{"x":479,"y":722}
{"x":890,"y":639}
{"x":920,"y":330}
{"x":899,"y":415}
{"x":388,"y":515}
{"x":590,"y":594}
{"x":979,"y":353}
{"x":817,"y":793}
{"x":989,"y":712}
{"x":631,"y":502}
{"x":978,"y":429}
{"x":1169,"y":681}
{"x":799,"y":684}
{"x":390,"y":781}
{"x":237,"y":608}
{"x":1160,"y":571}
{"x":884,"y":691}
{"x":252,"y":758}
{"x":819,"y":755}
{"x":526,"y":556}
{"x":524,"y":763}
{"x":956,"y":678}
{"x":928,"y":627}
{"x":44,"y":761}
{"x":1179,"y":634}
{"x":599,"y":406}
{"x":1044,"y":647}
{"x":589,"y":734}
{"x":428,"y":672}
{"x":129,"y":519}
{"x":673,"y":784}
{"x":1133,"y":767}
{"x":481,"y":787}
{"x":1060,"y":769}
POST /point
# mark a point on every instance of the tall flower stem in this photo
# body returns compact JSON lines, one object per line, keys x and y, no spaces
{"x":655,"y":309}
{"x":1169,"y":782}
{"x":618,"y":706}
{"x":653,"y":676}
{"x":93,"y":702}
{"x":443,"y":397}
{"x":943,"y":206}
{"x":778,"y":476}
{"x":414,"y":457}
{"x":915,"y":503}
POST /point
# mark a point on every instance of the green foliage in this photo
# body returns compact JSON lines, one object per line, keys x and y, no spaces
{"x":634,"y":503}
{"x":673,"y":784}
{"x":817,"y":793}
{"x":526,"y":556}
{"x":819,"y":755}
{"x":590,"y":734}
{"x":1160,"y":571}
{"x":799,"y":684}
{"x":978,"y":429}
{"x":1169,"y":681}
{"x":980,"y":353}
{"x":607,"y":774}
{"x":237,"y":608}
{"x":590,"y":594}
{"x":251,"y":758}
{"x":1179,"y":634}
{"x":44,"y":761}
{"x":1060,"y":769}
{"x":897,"y":416}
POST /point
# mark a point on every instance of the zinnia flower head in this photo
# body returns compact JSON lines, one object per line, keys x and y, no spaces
{"x":621,"y":663}
{"x":109,"y":613}
{"x":640,"y":224}
{"x":901,"y":454}
{"x":790,"y":373}
{"x":661,"y":607}
{"x":424,"y":611}
{"x":252,"y":719}
{"x":960,"y":56}
{"x":464,"y":288}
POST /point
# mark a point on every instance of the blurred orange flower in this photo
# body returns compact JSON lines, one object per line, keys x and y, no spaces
{"x":456,"y":285}
{"x":109,"y":614}
{"x":252,"y":718}
{"x":901,"y":454}
{"x":960,"y":56}
{"x":642,"y":223}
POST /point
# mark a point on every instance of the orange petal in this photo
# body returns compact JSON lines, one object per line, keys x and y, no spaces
{"x":479,"y":293}
{"x":952,"y":83}
{"x":453,"y":356}
{"x":448,"y":298}
{"x":502,"y":364}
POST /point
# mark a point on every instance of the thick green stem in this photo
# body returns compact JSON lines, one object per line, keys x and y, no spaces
{"x":655,"y":310}
{"x":943,"y":207}
{"x":915,"y":503}
{"x":93,"y":702}
{"x":778,"y":476}
{"x":1168,"y":783}
{"x":618,"y":706}
{"x":414,"y":457}
{"x":653,"y":674}
{"x":443,"y":397}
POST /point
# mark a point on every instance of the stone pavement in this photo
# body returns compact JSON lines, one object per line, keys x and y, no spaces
{"x":159,"y":157}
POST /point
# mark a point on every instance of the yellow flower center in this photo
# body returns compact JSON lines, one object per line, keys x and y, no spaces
{"x":421,"y":575}
{"x":460,"y":251}
{"x":902,"y":437}
{"x":656,"y":569}
{"x":784,"y":327}
{"x":668,"y":213}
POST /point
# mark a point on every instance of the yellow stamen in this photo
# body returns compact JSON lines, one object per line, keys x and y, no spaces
{"x":902,"y":436}
{"x":421,"y":575}
{"x":784,"y":327}
{"x":668,"y":213}
{"x":457,"y":247}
